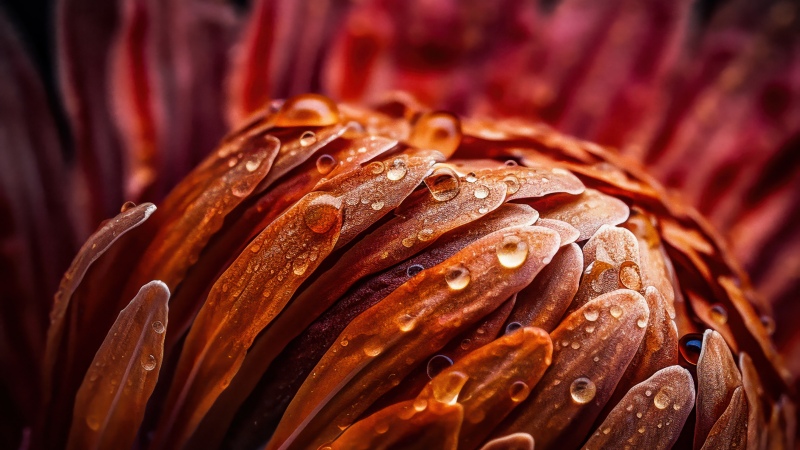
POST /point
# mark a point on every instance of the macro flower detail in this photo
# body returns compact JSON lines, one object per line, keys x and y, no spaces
{"x":341,"y":277}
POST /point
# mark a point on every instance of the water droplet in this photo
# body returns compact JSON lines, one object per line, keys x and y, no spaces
{"x":443,"y":184}
{"x":471,"y":178}
{"x":377,"y":205}
{"x":420,"y":404}
{"x":149,"y":362}
{"x":638,"y":415}
{"x":603,"y":276}
{"x":582,"y":390}
{"x":576,"y":345}
{"x":519,"y":391}
{"x":126,"y":206}
{"x":158,"y":327}
{"x":414,"y":269}
{"x":511,"y":163}
{"x":718,"y":314}
{"x":457,"y":277}
{"x":648,"y":393}
{"x":481,"y":191}
{"x":437,"y":130}
{"x":425,"y":234}
{"x":93,"y":423}
{"x":322,"y":213}
{"x":661,"y":400}
{"x":676,"y":406}
{"x":690,"y":346}
{"x":437,"y":364}
{"x":769,"y":324}
{"x":642,"y":322}
{"x":252,"y":165}
{"x":325,"y":164}
{"x":396,"y":170}
{"x":309,"y":110}
{"x":344,"y":342}
{"x":591,"y":315}
{"x":630,"y":275}
{"x":465,"y":344}
{"x":406,"y":322}
{"x":589,"y":329}
{"x":373,"y":347}
{"x":616,"y":311}
{"x":376,"y":167}
{"x":512,"y":184}
{"x":447,"y":388}
{"x":512,"y":327}
{"x":299,"y":266}
{"x":641,"y":430}
{"x":308,"y":138}
{"x":512,"y":251}
{"x":409,"y":241}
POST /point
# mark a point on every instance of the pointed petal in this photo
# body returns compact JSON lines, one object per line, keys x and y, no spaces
{"x":243,"y":301}
{"x":593,"y":347}
{"x":586,"y":212}
{"x":568,"y":233}
{"x":651,"y":415}
{"x":717,"y":378}
{"x":110,"y":404}
{"x":754,"y":391}
{"x":429,"y":310}
{"x":730,"y":431}
{"x":515,"y":441}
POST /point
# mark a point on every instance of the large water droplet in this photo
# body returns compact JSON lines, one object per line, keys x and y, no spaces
{"x":630,"y":275}
{"x":661,"y":400}
{"x":149,"y":362}
{"x":373,"y":347}
{"x":437,"y":130}
{"x":447,"y":388}
{"x":616,"y":311}
{"x":582,"y":390}
{"x":252,"y":165}
{"x":512,"y":184}
{"x":690,"y":346}
{"x":158,"y":327}
{"x":325,"y":164}
{"x":718,"y":314}
{"x":512,"y":251}
{"x":307,"y":110}
{"x":437,"y":364}
{"x":443,"y":184}
{"x":457,"y":277}
{"x":481,"y":191}
{"x":591,"y":314}
{"x":308,"y":138}
{"x":396,"y":170}
{"x":519,"y":391}
{"x":322,"y":213}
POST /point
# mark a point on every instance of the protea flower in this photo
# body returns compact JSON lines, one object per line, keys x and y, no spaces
{"x":374,"y":274}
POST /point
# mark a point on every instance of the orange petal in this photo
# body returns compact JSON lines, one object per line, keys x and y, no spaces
{"x":406,"y":426}
{"x":651,"y":415}
{"x":586,"y":212}
{"x":717,"y":378}
{"x":246,"y":298}
{"x":730,"y":430}
{"x":500,"y":376}
{"x":568,"y":233}
{"x":593,"y":347}
{"x":110,"y":404}
{"x":754,"y":392}
{"x":429,"y":310}
{"x":516,"y":441}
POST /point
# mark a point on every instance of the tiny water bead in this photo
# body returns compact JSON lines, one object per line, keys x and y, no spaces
{"x":158,"y":327}
{"x":457,"y":277}
{"x":396,"y":170}
{"x":519,"y":391}
{"x":512,"y":251}
{"x":512,"y":327}
{"x":582,"y":390}
{"x":325,"y":164}
{"x":149,"y":362}
{"x":437,"y":364}
{"x":661,"y":400}
{"x":308,"y":138}
{"x":376,"y":167}
{"x":414,"y":269}
{"x":307,"y":110}
{"x":443,"y":184}
{"x":642,"y":322}
{"x":591,"y":314}
{"x":471,"y":177}
{"x":481,"y":191}
{"x":377,"y":205}
{"x":616,"y":311}
{"x":718,"y":314}
{"x":690,"y":346}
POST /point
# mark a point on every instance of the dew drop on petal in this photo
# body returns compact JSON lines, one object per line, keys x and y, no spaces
{"x":519,"y":391}
{"x":465,"y":344}
{"x":512,"y":184}
{"x":376,"y":167}
{"x":471,"y":178}
{"x":512,"y":327}
{"x":158,"y":327}
{"x":322,"y":213}
{"x":373,"y":347}
{"x":325,"y":164}
{"x":309,"y":110}
{"x":252,"y":165}
{"x":591,"y":315}
{"x":308,"y":138}
{"x":426,"y":234}
{"x":414,"y":269}
{"x":661,"y":400}
{"x":690,"y":346}
{"x":582,"y":390}
{"x":149,"y":362}
{"x":481,"y":191}
{"x":446,"y":390}
{"x":512,"y":251}
{"x":616,"y":311}
{"x":642,"y":322}
{"x":397,"y":170}
{"x":511,"y":163}
{"x":457,"y":277}
{"x":126,"y":206}
{"x":769,"y":324}
{"x":437,"y":364}
{"x":630,"y":275}
{"x":377,"y":206}
{"x":420,"y":404}
{"x":718,"y":314}
{"x":406,"y":322}
{"x":443,"y":184}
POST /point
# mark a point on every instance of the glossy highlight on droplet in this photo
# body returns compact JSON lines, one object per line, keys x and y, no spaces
{"x":443,"y":184}
{"x":457,"y":277}
{"x":512,"y":251}
{"x":582,"y":390}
